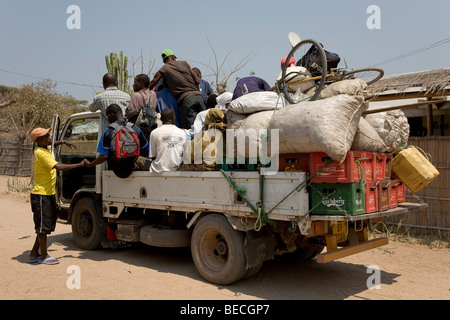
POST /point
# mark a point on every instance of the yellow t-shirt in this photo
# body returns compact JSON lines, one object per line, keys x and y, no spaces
{"x":44,"y":172}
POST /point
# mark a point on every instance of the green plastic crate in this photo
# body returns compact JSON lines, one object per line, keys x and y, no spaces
{"x":338,"y":199}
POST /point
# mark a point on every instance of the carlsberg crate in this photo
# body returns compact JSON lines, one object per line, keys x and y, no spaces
{"x":337,"y":199}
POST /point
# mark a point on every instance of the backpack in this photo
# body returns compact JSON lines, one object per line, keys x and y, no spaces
{"x":146,"y":119}
{"x":124,"y":142}
{"x":311,"y":61}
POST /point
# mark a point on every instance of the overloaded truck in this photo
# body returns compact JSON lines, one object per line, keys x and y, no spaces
{"x":233,"y":219}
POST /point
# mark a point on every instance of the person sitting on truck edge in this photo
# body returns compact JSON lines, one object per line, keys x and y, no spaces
{"x":114,"y":114}
{"x":43,"y":202}
{"x":183,"y":83}
{"x":166,"y":144}
{"x":111,"y":95}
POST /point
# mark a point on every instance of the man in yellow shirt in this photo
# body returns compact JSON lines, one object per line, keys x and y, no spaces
{"x":43,"y":203}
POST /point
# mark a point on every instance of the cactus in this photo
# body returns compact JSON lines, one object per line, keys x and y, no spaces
{"x":118,"y":67}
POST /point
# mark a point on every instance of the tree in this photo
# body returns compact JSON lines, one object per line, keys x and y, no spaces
{"x":221,"y":74}
{"x":34,"y":105}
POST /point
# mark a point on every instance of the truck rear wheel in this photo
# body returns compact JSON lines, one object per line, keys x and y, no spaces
{"x":218,"y":250}
{"x":86,"y":227}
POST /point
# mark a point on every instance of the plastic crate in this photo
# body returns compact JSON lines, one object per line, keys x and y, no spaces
{"x":393,"y":200}
{"x":384,"y":194}
{"x":371,"y":197}
{"x":379,"y":166}
{"x":400,"y":190}
{"x":388,"y":166}
{"x":293,"y":162}
{"x":337,"y":199}
{"x":347,"y":172}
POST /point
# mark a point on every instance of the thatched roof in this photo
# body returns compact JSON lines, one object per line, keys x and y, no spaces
{"x":427,"y":82}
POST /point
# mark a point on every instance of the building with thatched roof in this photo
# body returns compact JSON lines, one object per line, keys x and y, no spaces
{"x":423,"y":97}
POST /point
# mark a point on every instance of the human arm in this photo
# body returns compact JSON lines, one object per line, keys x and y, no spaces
{"x":133,"y":108}
{"x":194,"y":75}
{"x":67,"y":143}
{"x":100,"y":159}
{"x":66,"y":167}
{"x":155,"y":80}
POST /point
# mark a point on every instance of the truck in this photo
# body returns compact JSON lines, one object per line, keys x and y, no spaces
{"x":232,"y":221}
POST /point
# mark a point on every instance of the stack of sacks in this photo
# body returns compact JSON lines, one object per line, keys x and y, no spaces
{"x":328,"y":125}
{"x":251,"y":103}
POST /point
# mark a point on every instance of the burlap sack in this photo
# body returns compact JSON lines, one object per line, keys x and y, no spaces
{"x":327,"y":125}
{"x":367,"y":139}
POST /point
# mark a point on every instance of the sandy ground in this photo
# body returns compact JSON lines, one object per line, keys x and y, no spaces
{"x":407,"y":271}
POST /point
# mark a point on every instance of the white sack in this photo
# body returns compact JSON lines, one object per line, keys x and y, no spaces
{"x":392,"y":127}
{"x":327,"y":125}
{"x":351,"y":87}
{"x":257,"y":101}
{"x":367,"y":139}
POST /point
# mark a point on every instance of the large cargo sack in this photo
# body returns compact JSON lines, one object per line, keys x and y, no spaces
{"x":367,"y":139}
{"x":251,"y":129}
{"x":234,"y":120}
{"x":327,"y":125}
{"x":256,"y":102}
{"x":392,"y":127}
{"x":351,"y":87}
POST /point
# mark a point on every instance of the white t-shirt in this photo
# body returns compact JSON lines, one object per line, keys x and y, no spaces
{"x":166,"y":144}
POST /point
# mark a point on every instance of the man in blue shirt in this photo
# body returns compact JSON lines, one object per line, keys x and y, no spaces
{"x":123,"y":170}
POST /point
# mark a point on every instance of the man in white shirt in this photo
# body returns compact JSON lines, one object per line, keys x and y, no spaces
{"x":167,"y":144}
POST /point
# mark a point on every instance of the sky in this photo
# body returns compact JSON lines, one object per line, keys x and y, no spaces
{"x":36,"y":42}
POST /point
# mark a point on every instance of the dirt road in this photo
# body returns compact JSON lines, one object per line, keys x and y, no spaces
{"x":407,"y":271}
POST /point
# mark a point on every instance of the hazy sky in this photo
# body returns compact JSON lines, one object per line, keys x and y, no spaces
{"x":35,"y":40}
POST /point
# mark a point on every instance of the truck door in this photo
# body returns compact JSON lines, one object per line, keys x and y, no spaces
{"x":82,"y":132}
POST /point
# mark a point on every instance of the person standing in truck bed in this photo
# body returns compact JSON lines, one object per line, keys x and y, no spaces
{"x":183,"y":82}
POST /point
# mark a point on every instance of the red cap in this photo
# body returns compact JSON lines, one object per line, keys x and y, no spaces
{"x":291,"y":62}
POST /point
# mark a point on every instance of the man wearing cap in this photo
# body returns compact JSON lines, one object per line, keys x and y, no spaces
{"x":43,"y":203}
{"x":183,"y":82}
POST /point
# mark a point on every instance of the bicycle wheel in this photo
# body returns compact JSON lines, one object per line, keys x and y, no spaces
{"x":310,"y":55}
{"x":369,"y":75}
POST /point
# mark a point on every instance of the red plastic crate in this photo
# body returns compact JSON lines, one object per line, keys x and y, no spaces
{"x":400,"y":189}
{"x":384,"y":195}
{"x":388,"y":167}
{"x":393,"y":201}
{"x":347,"y":172}
{"x":379,"y":166}
{"x":293,"y":162}
{"x":371,"y":197}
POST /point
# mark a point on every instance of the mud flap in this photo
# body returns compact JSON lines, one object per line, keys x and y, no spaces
{"x":258,"y":248}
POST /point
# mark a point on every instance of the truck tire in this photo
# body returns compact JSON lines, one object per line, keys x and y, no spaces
{"x":86,"y":228}
{"x":164,"y":237}
{"x":218,"y":250}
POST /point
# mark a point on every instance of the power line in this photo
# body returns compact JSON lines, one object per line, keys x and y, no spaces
{"x":402,"y":56}
{"x":58,"y":81}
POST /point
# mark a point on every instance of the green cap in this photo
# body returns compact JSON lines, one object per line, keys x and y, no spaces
{"x":167,"y":53}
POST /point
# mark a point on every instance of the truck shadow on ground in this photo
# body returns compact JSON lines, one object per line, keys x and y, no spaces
{"x":276,"y":280}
